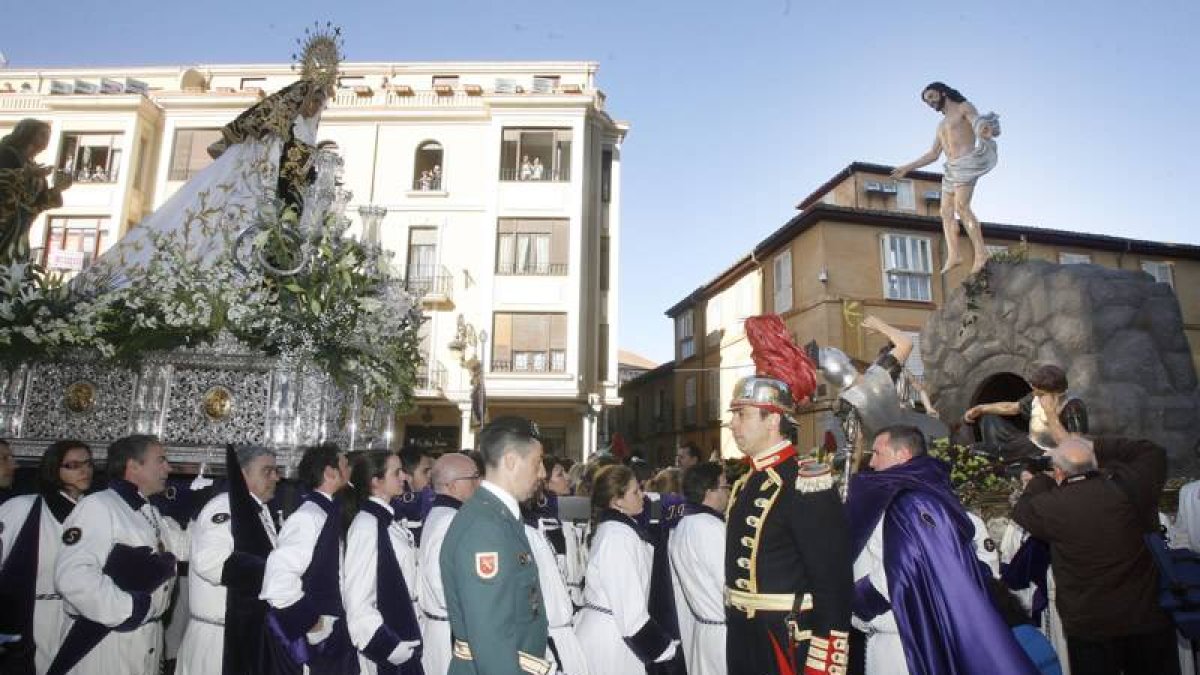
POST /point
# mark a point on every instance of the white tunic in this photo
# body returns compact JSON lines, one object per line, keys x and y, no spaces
{"x":105,"y":519}
{"x":697,"y":552}
{"x":435,"y":657}
{"x":618,"y":580}
{"x":885,"y":651}
{"x":1187,"y":519}
{"x":575,"y":565}
{"x":48,"y":613}
{"x":203,"y":647}
{"x":360,"y":581}
{"x":559,"y":610}
{"x":282,"y":585}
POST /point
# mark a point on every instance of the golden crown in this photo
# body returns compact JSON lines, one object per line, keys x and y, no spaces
{"x":320,"y":54}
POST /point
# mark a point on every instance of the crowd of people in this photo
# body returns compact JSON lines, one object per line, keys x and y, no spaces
{"x":506,"y":559}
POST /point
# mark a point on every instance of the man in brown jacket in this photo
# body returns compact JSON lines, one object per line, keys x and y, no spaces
{"x":1093,"y":512}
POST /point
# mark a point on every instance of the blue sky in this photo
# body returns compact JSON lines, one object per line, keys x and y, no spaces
{"x":741,"y":109}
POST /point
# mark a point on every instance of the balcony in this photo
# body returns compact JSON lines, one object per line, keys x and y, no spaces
{"x":431,"y":379}
{"x":535,"y":175}
{"x":531,"y":269}
{"x":433,"y":284}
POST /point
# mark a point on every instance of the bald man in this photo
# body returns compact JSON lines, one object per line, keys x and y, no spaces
{"x":455,"y":477}
{"x":1107,"y":582}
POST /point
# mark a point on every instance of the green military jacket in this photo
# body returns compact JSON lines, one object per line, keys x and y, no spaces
{"x":493,"y":597}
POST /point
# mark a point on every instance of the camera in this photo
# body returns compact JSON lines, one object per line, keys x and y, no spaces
{"x":1031,"y":464}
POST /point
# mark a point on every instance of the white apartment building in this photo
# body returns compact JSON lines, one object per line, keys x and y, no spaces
{"x":500,"y":184}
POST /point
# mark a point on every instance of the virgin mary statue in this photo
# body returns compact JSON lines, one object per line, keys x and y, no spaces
{"x":263,"y":156}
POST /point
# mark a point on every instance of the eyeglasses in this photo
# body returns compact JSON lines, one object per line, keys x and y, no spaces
{"x":72,"y":466}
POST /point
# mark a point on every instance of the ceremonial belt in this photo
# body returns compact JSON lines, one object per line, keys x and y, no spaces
{"x":435,"y":617}
{"x":210,"y":622}
{"x":528,"y":663}
{"x":706,"y":622}
{"x":47,"y":596}
{"x":598,"y":608}
{"x":750,"y":603}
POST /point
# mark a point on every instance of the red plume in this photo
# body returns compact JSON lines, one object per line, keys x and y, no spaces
{"x":775,"y":355}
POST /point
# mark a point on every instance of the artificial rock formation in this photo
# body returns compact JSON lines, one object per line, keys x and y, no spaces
{"x":1118,"y":334}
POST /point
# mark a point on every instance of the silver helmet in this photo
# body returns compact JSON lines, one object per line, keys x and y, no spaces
{"x":836,"y":366}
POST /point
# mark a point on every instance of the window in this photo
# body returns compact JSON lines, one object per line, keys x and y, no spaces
{"x":91,"y":158}
{"x":422,"y":254}
{"x":427,"y":167}
{"x":606,"y":164}
{"x":1161,"y":271}
{"x":907,"y":270}
{"x":689,"y":400}
{"x":529,"y":343}
{"x":189,"y":155}
{"x":605,"y":261}
{"x":545,"y":84}
{"x":531,"y":247}
{"x":72,"y":243}
{"x":712,"y":388}
{"x":253,"y":83}
{"x":445,"y":81}
{"x":906,"y":197}
{"x":1074,"y":259}
{"x":993,"y":250}
{"x":712,"y":320}
{"x":535,"y":154}
{"x":684,"y":336}
{"x":782,"y":268}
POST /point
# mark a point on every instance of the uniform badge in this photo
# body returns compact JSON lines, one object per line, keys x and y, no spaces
{"x":170,"y":492}
{"x":989,"y":545}
{"x":524,"y":558}
{"x":487,"y":565}
{"x":72,"y":535}
{"x":219,"y":518}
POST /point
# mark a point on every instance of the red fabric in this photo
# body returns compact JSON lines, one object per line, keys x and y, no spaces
{"x":775,"y":355}
{"x":786,"y":667}
{"x":619,"y":449}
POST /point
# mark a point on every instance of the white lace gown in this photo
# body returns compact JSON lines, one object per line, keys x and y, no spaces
{"x":208,"y":211}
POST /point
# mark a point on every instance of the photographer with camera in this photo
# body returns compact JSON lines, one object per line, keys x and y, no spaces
{"x":1093,"y":507}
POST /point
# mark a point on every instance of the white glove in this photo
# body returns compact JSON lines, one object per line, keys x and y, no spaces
{"x":403,"y":652}
{"x":323,"y":631}
{"x":668,"y":653}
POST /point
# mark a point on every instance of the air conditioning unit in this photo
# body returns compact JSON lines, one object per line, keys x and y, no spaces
{"x":84,"y":87}
{"x":543,"y":85}
{"x":60,"y":88}
{"x":506,"y":86}
{"x":111,"y":86}
{"x":933,"y":195}
{"x":873,"y":186}
{"x":889,"y":188}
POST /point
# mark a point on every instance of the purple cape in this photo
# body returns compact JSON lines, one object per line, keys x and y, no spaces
{"x":938,"y":588}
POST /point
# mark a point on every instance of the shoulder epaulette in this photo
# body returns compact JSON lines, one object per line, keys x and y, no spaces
{"x":814,"y":477}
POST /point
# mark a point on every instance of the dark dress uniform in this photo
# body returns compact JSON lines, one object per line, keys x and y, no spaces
{"x":788,"y":571}
{"x":493,"y":596}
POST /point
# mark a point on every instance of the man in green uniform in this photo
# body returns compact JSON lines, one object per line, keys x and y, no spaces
{"x":488,"y":570}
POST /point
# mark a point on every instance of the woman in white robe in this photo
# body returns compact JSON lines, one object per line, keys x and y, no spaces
{"x":381,"y":612}
{"x":615,"y":629}
{"x":65,"y":475}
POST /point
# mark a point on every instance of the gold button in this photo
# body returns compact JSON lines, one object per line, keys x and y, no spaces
{"x":743,"y":584}
{"x":761,"y":503}
{"x":743,"y":563}
{"x":748,"y":542}
{"x":752,"y":521}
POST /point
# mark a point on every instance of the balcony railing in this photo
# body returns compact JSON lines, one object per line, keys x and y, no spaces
{"x":430,"y":282}
{"x":431,"y":377}
{"x":532,"y":366}
{"x":428,"y":184}
{"x":513,"y":173}
{"x":532,"y":269}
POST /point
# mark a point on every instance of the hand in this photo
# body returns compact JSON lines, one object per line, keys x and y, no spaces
{"x":63,"y":180}
{"x":932,"y":412}
{"x":40,"y":170}
{"x":217,"y":149}
{"x":403,"y":652}
{"x":972,"y":414}
{"x":1049,"y":402}
{"x":1026,"y":476}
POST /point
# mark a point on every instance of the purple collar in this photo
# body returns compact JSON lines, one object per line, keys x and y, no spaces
{"x":129,"y":492}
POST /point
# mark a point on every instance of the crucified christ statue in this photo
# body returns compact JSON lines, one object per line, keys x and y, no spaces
{"x":967,"y":138}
